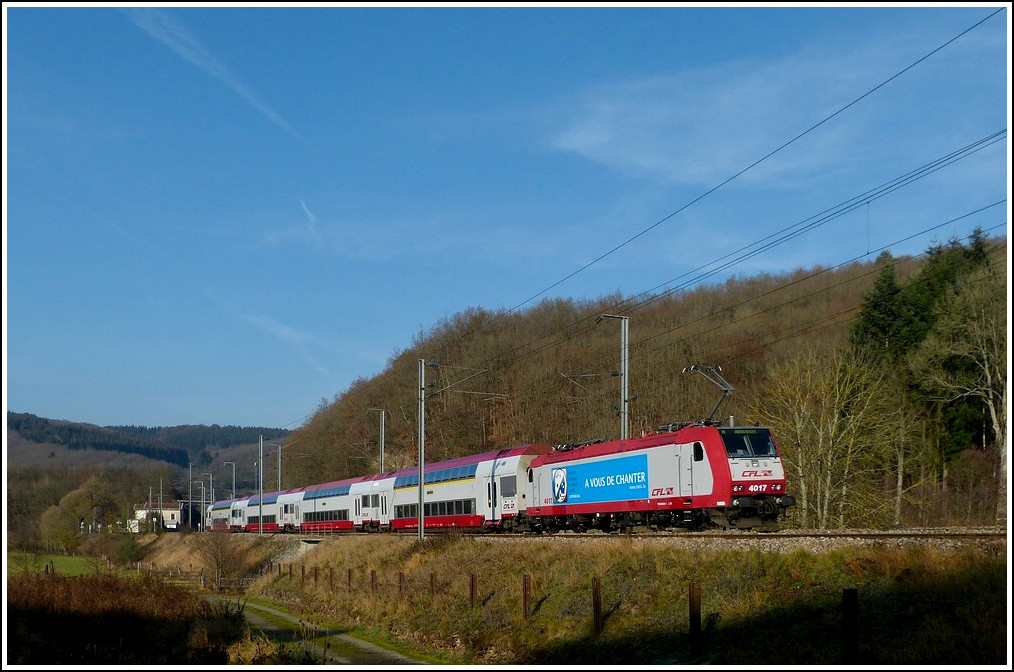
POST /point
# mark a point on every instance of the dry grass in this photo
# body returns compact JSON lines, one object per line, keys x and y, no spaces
{"x":250,"y":552}
{"x":917,"y":606}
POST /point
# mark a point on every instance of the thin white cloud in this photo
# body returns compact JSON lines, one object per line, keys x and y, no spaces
{"x":700,"y":127}
{"x":174,"y":35}
{"x":695,"y":127}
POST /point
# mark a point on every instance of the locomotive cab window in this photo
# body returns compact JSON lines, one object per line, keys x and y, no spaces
{"x":698,"y":451}
{"x":748,"y":442}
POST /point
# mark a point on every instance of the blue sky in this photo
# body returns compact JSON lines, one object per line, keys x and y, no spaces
{"x":227,"y":214}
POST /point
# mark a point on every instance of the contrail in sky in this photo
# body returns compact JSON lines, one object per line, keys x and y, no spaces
{"x":171,"y":33}
{"x":310,"y":224}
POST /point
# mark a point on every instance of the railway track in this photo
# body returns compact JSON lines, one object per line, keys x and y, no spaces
{"x":989,"y":539}
{"x":911,"y":533}
{"x":927,"y":533}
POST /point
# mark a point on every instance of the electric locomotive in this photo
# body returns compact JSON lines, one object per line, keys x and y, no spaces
{"x":691,"y":475}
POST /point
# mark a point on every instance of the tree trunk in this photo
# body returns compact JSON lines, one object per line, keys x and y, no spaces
{"x":898,"y":487}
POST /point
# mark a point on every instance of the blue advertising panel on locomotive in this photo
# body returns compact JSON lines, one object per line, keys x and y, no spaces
{"x":603,"y":481}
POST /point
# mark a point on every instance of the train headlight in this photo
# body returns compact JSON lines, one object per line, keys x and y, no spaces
{"x":737,"y":488}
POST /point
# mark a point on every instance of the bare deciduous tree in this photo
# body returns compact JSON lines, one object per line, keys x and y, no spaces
{"x":219,"y":556}
{"x":830,"y":416}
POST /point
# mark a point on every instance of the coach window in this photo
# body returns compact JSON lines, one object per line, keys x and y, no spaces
{"x":508,"y":486}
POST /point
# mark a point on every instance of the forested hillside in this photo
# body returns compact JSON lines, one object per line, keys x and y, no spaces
{"x":77,"y":436}
{"x":178,"y":445}
{"x":885,"y":382}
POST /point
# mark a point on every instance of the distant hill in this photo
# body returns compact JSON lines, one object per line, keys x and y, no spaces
{"x":178,"y":445}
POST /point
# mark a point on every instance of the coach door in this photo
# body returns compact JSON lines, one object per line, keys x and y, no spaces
{"x":370,"y":505}
{"x":492,"y":499}
{"x":508,"y":495}
{"x":384,"y":513}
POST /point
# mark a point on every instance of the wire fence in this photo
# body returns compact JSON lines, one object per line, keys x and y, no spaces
{"x":853,"y":625}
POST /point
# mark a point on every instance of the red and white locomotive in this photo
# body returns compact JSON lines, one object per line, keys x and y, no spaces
{"x":693,"y":475}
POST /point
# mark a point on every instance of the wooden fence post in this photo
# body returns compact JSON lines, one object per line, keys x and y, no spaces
{"x":597,"y":604}
{"x":526,"y":588}
{"x":695,"y":620}
{"x":373,"y":580}
{"x":850,"y":625}
{"x":471,"y":591}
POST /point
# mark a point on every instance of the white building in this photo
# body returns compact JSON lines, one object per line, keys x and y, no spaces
{"x":170,"y":518}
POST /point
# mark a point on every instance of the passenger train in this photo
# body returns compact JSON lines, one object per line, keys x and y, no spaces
{"x":685,"y":475}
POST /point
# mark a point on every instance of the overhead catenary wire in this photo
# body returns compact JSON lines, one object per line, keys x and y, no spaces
{"x":858,"y":200}
{"x":771,"y":338}
{"x":516,"y":353}
{"x":638,"y":306}
{"x":785,"y":234}
{"x":811,"y":326}
{"x":735,"y":352}
{"x":641,"y":352}
{"x":794,"y":231}
{"x":752,"y":165}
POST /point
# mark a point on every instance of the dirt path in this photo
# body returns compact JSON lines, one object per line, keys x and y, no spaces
{"x":329,"y":646}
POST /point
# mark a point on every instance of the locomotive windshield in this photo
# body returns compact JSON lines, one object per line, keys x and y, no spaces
{"x":748,"y":441}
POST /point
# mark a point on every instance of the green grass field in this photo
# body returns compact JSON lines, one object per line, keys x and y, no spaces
{"x":63,"y":565}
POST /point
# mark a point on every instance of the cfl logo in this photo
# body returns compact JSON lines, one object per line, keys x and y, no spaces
{"x":661,"y":492}
{"x":755,"y":473}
